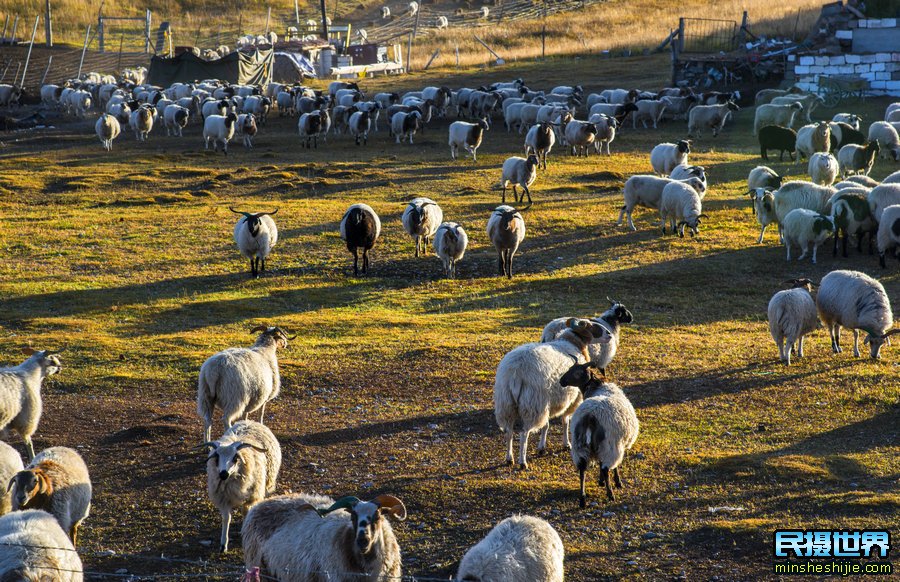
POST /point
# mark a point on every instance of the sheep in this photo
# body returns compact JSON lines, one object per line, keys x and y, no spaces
{"x":606,"y":131}
{"x":56,"y":481}
{"x":617,"y":111}
{"x":239,"y":479}
{"x":893,"y":178}
{"x":308,"y":537}
{"x":854,"y":159}
{"x":80,"y":103}
{"x":679,"y":107}
{"x":246,"y":127}
{"x":527,"y":392}
{"x":843,"y":134}
{"x":763,"y":177}
{"x":35,"y":548}
{"x":309,"y":125}
{"x":385,"y":13}
{"x":259,"y":106}
{"x":799,"y":194}
{"x":360,"y":228}
{"x":806,"y":228}
{"x":684,"y":172}
{"x":521,"y":172}
{"x":852,"y":215}
{"x":646,"y":190}
{"x":241,"y":380}
{"x":711,"y":116}
{"x":888,"y":232}
{"x":603,"y":427}
{"x":255,"y":236}
{"x":506,"y":230}
{"x":441,"y":22}
{"x":219,"y":128}
{"x":10,"y":95}
{"x":359,"y":124}
{"x":520,"y":548}
{"x":421,"y":219}
{"x":890,"y":110}
{"x":665,"y":156}
{"x":823,"y":169}
{"x":850,"y":119}
{"x":813,"y":138}
{"x":141,"y":122}
{"x":651,"y":109}
{"x":619,"y":96}
{"x":858,"y":302}
{"x":792,"y":315}
{"x":809,"y":102}
{"x":413,"y":8}
{"x":887,"y":138}
{"x":10,"y":464}
{"x":175,"y":118}
{"x":774,"y":137}
{"x":863,"y":181}
{"x":539,"y":140}
{"x":763,"y":201}
{"x":719,"y":97}
{"x":405,"y":125}
{"x":450,"y":242}
{"x":467,"y":136}
{"x":20,"y":393}
{"x":213,"y":107}
{"x":107,"y":129}
{"x":601,"y":354}
{"x":579,"y":135}
{"x":781,"y":115}
{"x":680,"y":201}
{"x":766,"y":95}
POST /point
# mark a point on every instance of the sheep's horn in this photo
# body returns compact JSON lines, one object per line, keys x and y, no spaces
{"x":265,"y":213}
{"x":891,"y":332}
{"x":212,"y":444}
{"x":392,"y":505}
{"x":611,"y":302}
{"x":252,"y":446}
{"x":258,"y":328}
{"x":11,"y":482}
{"x":247,"y":214}
{"x":342,"y":503}
{"x":574,"y":358}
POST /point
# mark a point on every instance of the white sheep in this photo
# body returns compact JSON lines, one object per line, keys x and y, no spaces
{"x":421,"y":219}
{"x":781,"y":115}
{"x":652,"y":109}
{"x":255,"y":236}
{"x":763,"y":201}
{"x":107,"y":129}
{"x":506,"y":230}
{"x":10,"y":464}
{"x":467,"y":136}
{"x":450,"y":242}
{"x":385,"y":12}
{"x":527,"y":393}
{"x":35,"y":548}
{"x":359,"y":124}
{"x":665,"y":156}
{"x":259,"y":106}
{"x":806,"y":228}
{"x":855,"y":159}
{"x":304,"y":537}
{"x":141,"y":122}
{"x":219,"y":128}
{"x":241,"y":380}
{"x":56,"y":481}
{"x":711,"y":116}
{"x":175,"y":118}
{"x":684,"y":172}
{"x":813,"y":138}
{"x":851,"y":119}
{"x":606,"y":131}
{"x":646,"y":190}
{"x":809,"y":102}
{"x":852,"y":215}
{"x":520,"y":548}
{"x":405,"y":125}
{"x":241,"y":470}
{"x":20,"y":393}
{"x":539,"y":140}
{"x":763,"y":177}
{"x":246,"y":128}
{"x":887,"y":138}
{"x":792,"y":315}
{"x":520,"y":172}
{"x":579,"y":135}
{"x":823,"y":168}
{"x":413,"y":8}
{"x":680,"y":202}
{"x":888,"y":236}
{"x":601,"y":354}
{"x":854,"y":300}
{"x":880,"y":197}
{"x":799,"y":194}
{"x":603,"y":427}
{"x":441,"y":22}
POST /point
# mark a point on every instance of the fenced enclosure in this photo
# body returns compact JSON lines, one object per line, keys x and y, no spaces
{"x":705,"y":35}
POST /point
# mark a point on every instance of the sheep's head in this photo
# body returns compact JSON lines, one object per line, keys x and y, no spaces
{"x":366,"y":517}
{"x":582,"y":376}
{"x":823,"y":223}
{"x":274,"y":333}
{"x":224,"y":460}
{"x":684,"y":146}
{"x":618,"y":312}
{"x":800,"y":284}
{"x":47,"y":360}
{"x":252,"y":219}
{"x":32,"y":489}
{"x":876,"y":340}
{"x":732,"y":106}
{"x":589,"y":330}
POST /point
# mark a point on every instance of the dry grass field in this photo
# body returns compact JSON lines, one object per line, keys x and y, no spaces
{"x":125,"y":261}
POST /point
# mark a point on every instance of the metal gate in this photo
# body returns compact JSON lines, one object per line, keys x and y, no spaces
{"x":704,"y":35}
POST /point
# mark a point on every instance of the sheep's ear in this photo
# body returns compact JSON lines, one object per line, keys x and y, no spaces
{"x":29,"y":351}
{"x":570,"y":322}
{"x":392,"y":505}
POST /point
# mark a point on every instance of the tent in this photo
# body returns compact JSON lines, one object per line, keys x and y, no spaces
{"x":245,"y":68}
{"x":292,"y":67}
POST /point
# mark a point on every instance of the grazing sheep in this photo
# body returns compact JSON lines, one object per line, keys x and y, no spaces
{"x":241,"y":470}
{"x":603,"y":427}
{"x":799,"y":194}
{"x":467,"y":136}
{"x":175,"y":118}
{"x":241,"y":380}
{"x":56,"y":481}
{"x":20,"y":393}
{"x":774,"y":137}
{"x":809,"y":102}
{"x":579,"y":135}
{"x":763,"y":177}
{"x":521,"y":172}
{"x":880,"y":197}
{"x":850,"y":119}
{"x":519,"y":549}
{"x":646,"y":190}
{"x":108,"y":129}
{"x":527,"y":392}
{"x":141,"y":122}
{"x":852,"y":215}
{"x":888,"y":232}
{"x":307,"y":537}
{"x":219,"y":128}
{"x":858,"y":302}
{"x":36,"y":549}
{"x":766,"y":95}
{"x":806,"y":228}
{"x":255,"y":236}
{"x":711,"y":116}
{"x":539,"y":141}
{"x":450,"y":242}
{"x":792,"y":315}
{"x":10,"y":464}
{"x":855,"y":159}
{"x":665,"y":156}
{"x":506,"y":230}
{"x":405,"y":125}
{"x":601,"y":354}
{"x":780,"y":115}
{"x":813,"y":138}
{"x":763,"y":201}
{"x":887,"y":138}
{"x":680,"y":201}
{"x":421,"y":219}
{"x":823,"y":169}
{"x":360,"y":228}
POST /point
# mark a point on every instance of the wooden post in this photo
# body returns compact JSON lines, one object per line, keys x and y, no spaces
{"x":12,"y":37}
{"x":100,"y":36}
{"x":119,"y":62}
{"x":87,"y":36}
{"x":268,"y":16}
{"x":431,"y":60}
{"x":37,"y":20}
{"x":5,"y":69}
{"x":46,"y":71}
{"x":18,"y":68}
{"x":409,"y":53}
{"x":48,"y":25}
{"x":297,"y":12}
{"x":324,"y":20}
{"x":411,"y":37}
{"x":5,"y":26}
{"x":147,"y":26}
{"x":490,"y":50}
{"x":457,"y":55}
{"x":241,"y":23}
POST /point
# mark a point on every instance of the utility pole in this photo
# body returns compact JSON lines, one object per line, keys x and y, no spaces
{"x":324,"y":20}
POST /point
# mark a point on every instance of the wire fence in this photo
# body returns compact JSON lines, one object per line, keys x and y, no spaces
{"x":704,"y":35}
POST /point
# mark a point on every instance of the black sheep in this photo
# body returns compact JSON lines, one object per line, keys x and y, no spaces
{"x":360,"y":228}
{"x":775,"y":137}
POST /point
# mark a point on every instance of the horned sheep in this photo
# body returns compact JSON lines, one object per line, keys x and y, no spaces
{"x":35,"y":547}
{"x":255,"y":236}
{"x":792,"y":315}
{"x":518,"y":549}
{"x":506,"y":230}
{"x":854,"y":300}
{"x":600,"y":353}
{"x":20,"y":393}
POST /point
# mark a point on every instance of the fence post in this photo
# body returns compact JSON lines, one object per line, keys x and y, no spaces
{"x":147,"y":25}
{"x":37,"y":20}
{"x":268,"y":16}
{"x":5,"y":26}
{"x":5,"y":69}
{"x":46,"y":71}
{"x":409,"y":53}
{"x":100,"y":33}
{"x":18,"y":68}
{"x":119,"y":62}
{"x":87,"y":36}
{"x":297,"y":12}
{"x":48,"y":25}
{"x":12,"y":37}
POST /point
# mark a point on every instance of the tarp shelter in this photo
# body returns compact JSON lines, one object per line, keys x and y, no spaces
{"x":292,"y":67}
{"x":245,"y":68}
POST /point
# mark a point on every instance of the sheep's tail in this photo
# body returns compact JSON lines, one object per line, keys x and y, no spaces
{"x":206,"y":396}
{"x":589,"y":433}
{"x":507,"y":389}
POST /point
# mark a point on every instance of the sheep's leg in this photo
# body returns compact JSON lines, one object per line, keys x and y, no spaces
{"x":856,"y":342}
{"x":207,"y":431}
{"x":762,"y":231}
{"x":523,"y":449}
{"x":836,"y":338}
{"x":509,"y":447}
{"x":780,"y":343}
{"x":631,"y":222}
{"x":509,"y":261}
{"x":604,"y":480}
{"x":366,"y":261}
{"x":355,"y":262}
{"x":501,"y":262}
{"x":29,"y":447}
{"x":617,"y":479}
{"x":582,"y":467}
{"x":800,"y":347}
{"x":815,"y":250}
{"x":542,"y":445}
{"x":844,"y":241}
{"x":226,"y":524}
{"x":262,"y":414}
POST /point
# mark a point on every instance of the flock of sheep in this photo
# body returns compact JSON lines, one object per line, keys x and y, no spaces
{"x":302,"y":536}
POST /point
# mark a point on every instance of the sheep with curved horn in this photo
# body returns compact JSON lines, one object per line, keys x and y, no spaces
{"x":255,"y":235}
{"x":20,"y":393}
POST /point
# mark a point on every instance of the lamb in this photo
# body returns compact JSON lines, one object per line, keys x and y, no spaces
{"x":774,"y":137}
{"x":766,"y":95}
{"x":175,"y":118}
{"x":539,"y":141}
{"x":309,"y":126}
{"x":56,"y":481}
{"x":467,"y":136}
{"x":255,"y":236}
{"x":781,"y":115}
{"x":798,"y":194}
{"x":888,"y":232}
{"x":108,"y":129}
{"x":601,"y":354}
{"x":450,"y":242}
{"x":606,"y":131}
{"x":527,"y":392}
{"x":823,"y":169}
{"x":603,"y":427}
{"x":809,"y":102}
{"x":141,"y":122}
{"x":10,"y":464}
{"x":35,"y":548}
{"x":520,"y":548}
{"x":304,"y":537}
{"x":665,"y":156}
{"x":506,"y":230}
{"x":887,"y":138}
{"x":854,"y":159}
{"x":763,"y":177}
{"x":360,"y":228}
{"x":20,"y":393}
{"x":219,"y":128}
{"x":806,"y":228}
{"x":711,"y":116}
{"x":680,"y":201}
{"x":579,"y":136}
{"x":241,"y":380}
{"x":405,"y":125}
{"x":763,"y":201}
{"x":241,"y":469}
{"x":813,"y":138}
{"x":851,"y":214}
{"x":521,"y":172}
{"x":652,"y":109}
{"x":359,"y":124}
{"x":859,"y":302}
{"x":792,"y":315}
{"x":421,"y":219}
{"x":646,"y":190}
{"x":246,"y":127}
